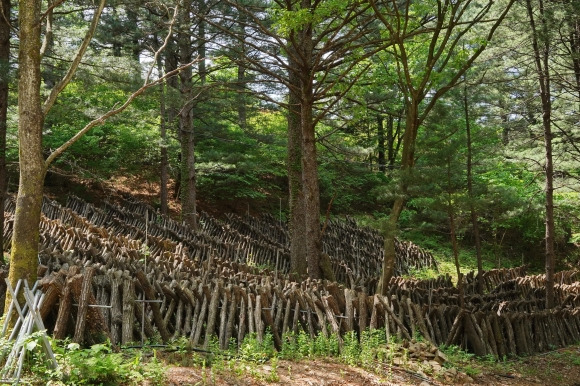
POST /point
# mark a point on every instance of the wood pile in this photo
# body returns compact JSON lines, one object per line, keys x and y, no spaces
{"x":130,"y":276}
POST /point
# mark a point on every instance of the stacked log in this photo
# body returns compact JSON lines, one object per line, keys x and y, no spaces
{"x":130,"y":277}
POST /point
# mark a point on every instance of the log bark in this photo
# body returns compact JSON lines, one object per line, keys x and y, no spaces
{"x":128,"y":311}
{"x":150,"y":295}
{"x":64,"y":314}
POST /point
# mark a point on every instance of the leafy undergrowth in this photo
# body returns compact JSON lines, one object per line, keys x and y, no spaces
{"x":95,"y":365}
{"x":556,"y":368}
{"x":323,"y":360}
{"x":305,"y":361}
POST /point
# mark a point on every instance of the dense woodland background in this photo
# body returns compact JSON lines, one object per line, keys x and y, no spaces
{"x":218,"y":132}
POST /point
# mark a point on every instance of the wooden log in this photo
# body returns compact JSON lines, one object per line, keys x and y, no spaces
{"x":332,"y":319}
{"x":455,"y":328}
{"x":430,"y":328}
{"x":434,"y":322}
{"x":52,"y":293}
{"x":83,"y":304}
{"x":387,"y":328}
{"x":557,"y":325}
{"x":474,"y":335}
{"x":349,"y":296}
{"x":64,"y":314}
{"x":251,"y":320}
{"x":179,"y":319}
{"x":141,"y":319}
{"x":104,"y":299}
{"x":420,"y":321}
{"x":362,"y":312}
{"x":443,"y":326}
{"x":296,"y":317}
{"x":520,"y":336}
{"x":571,"y":328}
{"x":200,"y":322}
{"x":480,"y":326}
{"x":150,"y":295}
{"x":311,"y":300}
{"x":498,"y":336}
{"x":286,"y":322}
{"x":231,"y":319}
{"x":212,"y":315}
{"x":187,"y":319}
{"x":310,"y":322}
{"x":116,"y":307}
{"x":401,"y":327}
{"x":406,"y":304}
{"x":195,"y":316}
{"x":489,"y":335}
{"x":223,"y":320}
{"x":169,"y":312}
{"x":267,"y":317}
{"x":258,"y":319}
{"x":506,"y":321}
{"x":374,"y":313}
{"x":242,"y":321}
{"x":128,"y":311}
{"x":278,"y":317}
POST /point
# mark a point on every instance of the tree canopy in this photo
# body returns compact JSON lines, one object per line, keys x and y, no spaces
{"x":422,"y":118}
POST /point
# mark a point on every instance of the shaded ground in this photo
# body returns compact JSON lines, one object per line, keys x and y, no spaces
{"x":561,"y":367}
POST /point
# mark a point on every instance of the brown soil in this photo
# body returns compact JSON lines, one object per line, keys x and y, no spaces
{"x":561,"y":367}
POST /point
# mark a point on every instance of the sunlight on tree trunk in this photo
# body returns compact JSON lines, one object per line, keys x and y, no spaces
{"x":4,"y":82}
{"x":24,"y":252}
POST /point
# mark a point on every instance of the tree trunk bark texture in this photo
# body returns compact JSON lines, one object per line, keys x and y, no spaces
{"x":296,"y":225}
{"x":186,"y":133}
{"x":4,"y":74}
{"x":381,"y":142}
{"x":24,"y":252}
{"x":164,"y":166}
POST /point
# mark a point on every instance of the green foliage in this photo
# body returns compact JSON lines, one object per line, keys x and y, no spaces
{"x":253,"y":350}
{"x":125,"y":143}
{"x":455,"y":355}
{"x":353,"y":187}
{"x":98,"y":364}
{"x":234,"y":164}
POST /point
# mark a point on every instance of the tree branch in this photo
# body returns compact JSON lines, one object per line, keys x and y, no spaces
{"x":77,"y":60}
{"x":103,"y":118}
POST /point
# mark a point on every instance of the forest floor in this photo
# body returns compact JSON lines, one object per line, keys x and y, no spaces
{"x":560,"y":367}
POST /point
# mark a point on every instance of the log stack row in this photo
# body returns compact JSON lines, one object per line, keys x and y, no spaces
{"x":107,"y":272}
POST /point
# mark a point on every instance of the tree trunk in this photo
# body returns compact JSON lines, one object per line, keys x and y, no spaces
{"x":296,"y":223}
{"x":4,"y":74}
{"x":451,"y":216}
{"x":242,"y":110}
{"x":407,"y":162}
{"x":574,"y":23}
{"x":309,"y":157}
{"x":541,"y":57}
{"x":188,"y":177}
{"x":381,"y":142}
{"x":24,"y":253}
{"x":241,"y":81}
{"x":164,"y":166}
{"x":472,"y":210}
{"x":310,"y":186}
